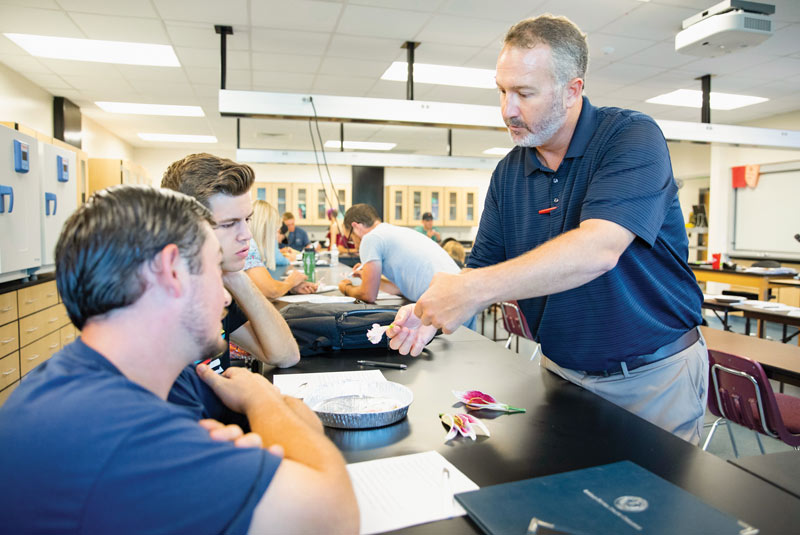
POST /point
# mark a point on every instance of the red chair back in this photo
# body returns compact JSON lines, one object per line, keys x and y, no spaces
{"x":740,"y":392}
{"x":513,"y":320}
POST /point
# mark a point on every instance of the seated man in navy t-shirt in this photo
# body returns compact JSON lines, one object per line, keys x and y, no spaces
{"x":252,"y":322}
{"x":91,"y":430}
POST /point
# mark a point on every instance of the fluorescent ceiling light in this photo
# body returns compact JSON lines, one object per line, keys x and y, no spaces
{"x":360,"y":145}
{"x":133,"y":108}
{"x":692,"y":98}
{"x":498,"y":151}
{"x":442,"y":75}
{"x":178,"y":138}
{"x":44,"y":46}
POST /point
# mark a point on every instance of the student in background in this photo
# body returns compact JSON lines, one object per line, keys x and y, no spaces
{"x":408,"y":259}
{"x":291,"y":235}
{"x":428,"y":229}
{"x":262,"y":257}
{"x":335,"y":237}
{"x":456,"y":251}
{"x":223,"y":186}
{"x":139,"y":271}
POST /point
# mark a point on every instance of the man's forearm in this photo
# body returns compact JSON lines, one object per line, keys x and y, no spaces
{"x":273,"y":334}
{"x":563,"y":263}
{"x":360,"y":292}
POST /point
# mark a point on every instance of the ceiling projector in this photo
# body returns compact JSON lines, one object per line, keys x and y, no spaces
{"x":726,"y":27}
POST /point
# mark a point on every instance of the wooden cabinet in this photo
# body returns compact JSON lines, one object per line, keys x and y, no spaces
{"x":309,"y":202}
{"x":106,"y":172}
{"x":452,"y":206}
{"x":33,"y":327}
{"x":396,"y":205}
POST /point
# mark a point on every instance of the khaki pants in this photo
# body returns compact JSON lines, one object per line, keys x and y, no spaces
{"x":670,"y":393}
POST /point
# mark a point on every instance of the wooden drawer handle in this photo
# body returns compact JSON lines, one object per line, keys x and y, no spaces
{"x":51,"y":294}
{"x":29,"y":301}
{"x":9,"y":372}
{"x":5,"y":309}
{"x":33,"y":357}
{"x":53,"y":346}
{"x":32,"y":329}
{"x":52,"y":320}
{"x":7,"y":341}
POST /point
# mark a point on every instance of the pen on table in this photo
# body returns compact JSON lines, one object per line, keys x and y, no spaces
{"x":356,"y":270}
{"x":395,"y":365}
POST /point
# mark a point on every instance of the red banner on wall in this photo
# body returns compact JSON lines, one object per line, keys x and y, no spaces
{"x":745,"y":175}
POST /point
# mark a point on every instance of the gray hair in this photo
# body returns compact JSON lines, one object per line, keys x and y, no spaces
{"x":566,"y":41}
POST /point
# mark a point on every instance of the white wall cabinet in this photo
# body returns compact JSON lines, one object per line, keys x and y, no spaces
{"x":20,"y":192}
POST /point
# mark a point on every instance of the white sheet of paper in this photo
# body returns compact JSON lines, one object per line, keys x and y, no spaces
{"x":322,"y":288}
{"x":398,"y":492}
{"x":300,"y":385}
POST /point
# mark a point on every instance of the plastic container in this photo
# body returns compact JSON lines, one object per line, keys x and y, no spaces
{"x":309,"y":263}
{"x":335,"y":256}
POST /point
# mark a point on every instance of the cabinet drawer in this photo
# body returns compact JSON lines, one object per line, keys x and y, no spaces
{"x":68,"y":333}
{"x":9,"y":338}
{"x":9,"y":369}
{"x":8,"y":307}
{"x":37,"y":325}
{"x":35,"y":298}
{"x":7,"y":392}
{"x":39,"y":351}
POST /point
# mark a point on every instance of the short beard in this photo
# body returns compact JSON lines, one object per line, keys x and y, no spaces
{"x":542,"y":131}
{"x":207,"y":345}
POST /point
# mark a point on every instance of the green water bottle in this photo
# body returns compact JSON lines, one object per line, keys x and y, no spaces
{"x":309,"y":263}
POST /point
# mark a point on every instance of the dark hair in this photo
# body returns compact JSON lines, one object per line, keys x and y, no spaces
{"x":567,"y":43}
{"x":360,"y":213}
{"x":204,"y":175}
{"x":427,"y":216}
{"x":287,"y":216}
{"x":103,"y":245}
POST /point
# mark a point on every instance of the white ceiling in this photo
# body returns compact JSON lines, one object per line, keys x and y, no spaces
{"x":342,"y":48}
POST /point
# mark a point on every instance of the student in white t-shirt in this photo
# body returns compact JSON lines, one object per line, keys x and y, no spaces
{"x":408,"y":259}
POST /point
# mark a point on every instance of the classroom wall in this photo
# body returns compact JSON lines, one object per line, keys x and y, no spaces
{"x":24,"y":102}
{"x":100,"y":143}
{"x":720,"y":215}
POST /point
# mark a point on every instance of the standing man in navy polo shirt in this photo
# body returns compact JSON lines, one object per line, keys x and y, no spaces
{"x":581,"y":224}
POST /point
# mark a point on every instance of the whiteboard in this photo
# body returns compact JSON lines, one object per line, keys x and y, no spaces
{"x":767,"y":218}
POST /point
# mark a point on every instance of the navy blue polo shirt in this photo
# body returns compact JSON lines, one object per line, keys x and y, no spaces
{"x":617,"y":168}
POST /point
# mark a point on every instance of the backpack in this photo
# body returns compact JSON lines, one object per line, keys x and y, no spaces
{"x":319,"y":328}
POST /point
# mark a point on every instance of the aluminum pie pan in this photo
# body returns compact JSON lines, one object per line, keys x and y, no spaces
{"x":360,"y":404}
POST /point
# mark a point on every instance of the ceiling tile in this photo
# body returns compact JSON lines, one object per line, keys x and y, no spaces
{"x":205,"y":75}
{"x":282,"y":82}
{"x":783,"y":42}
{"x":624,"y":71}
{"x":464,"y":31}
{"x":16,"y":19}
{"x":650,"y":21}
{"x":731,"y":83}
{"x":295,"y":15}
{"x":589,"y":16}
{"x":660,"y":54}
{"x":486,"y":58}
{"x":129,"y":29}
{"x":509,"y":13}
{"x":196,"y":35}
{"x":381,"y":22}
{"x":326,"y":84}
{"x":98,"y":84}
{"x":778,"y":69}
{"x":229,"y":12}
{"x":207,"y":91}
{"x":24,"y":64}
{"x":414,"y":5}
{"x":463,"y":95}
{"x":285,"y":62}
{"x":81,"y":68}
{"x":48,"y":81}
{"x":210,"y":58}
{"x":728,"y":64}
{"x":345,"y":46}
{"x":119,"y":8}
{"x":353,"y":67}
{"x":44,"y":4}
{"x":152,"y":74}
{"x":290,"y":42}
{"x":445,"y":54}
{"x":615,"y":47}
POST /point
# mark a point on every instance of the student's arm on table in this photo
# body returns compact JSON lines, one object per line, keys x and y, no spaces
{"x":311,"y":490}
{"x":367,"y":291}
{"x":270,"y":287}
{"x":266,"y":336}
